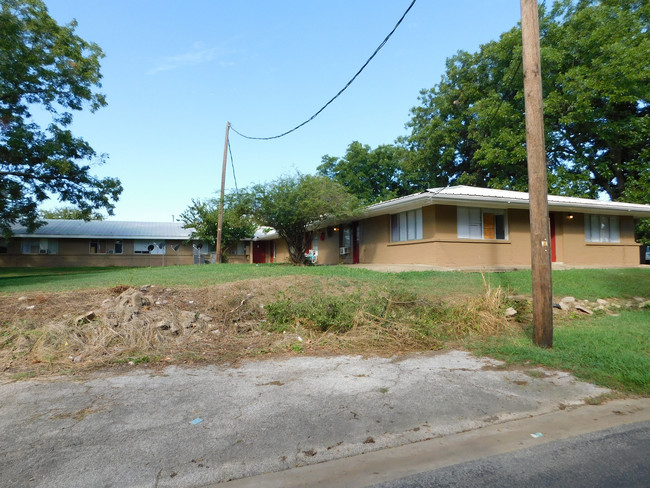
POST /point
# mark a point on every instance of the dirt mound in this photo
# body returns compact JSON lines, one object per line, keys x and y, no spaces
{"x":69,"y":332}
{"x":75,"y":330}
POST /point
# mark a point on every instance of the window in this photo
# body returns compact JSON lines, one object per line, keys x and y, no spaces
{"x":406,"y":226}
{"x":103,"y":246}
{"x":149,"y":247}
{"x":601,"y":228}
{"x":4,"y":247}
{"x":478,"y":223}
{"x":238,"y":249}
{"x":40,"y":246}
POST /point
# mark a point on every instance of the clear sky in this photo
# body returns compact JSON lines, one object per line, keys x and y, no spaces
{"x":176,"y":71}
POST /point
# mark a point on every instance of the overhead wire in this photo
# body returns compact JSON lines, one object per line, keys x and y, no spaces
{"x":232,"y":165}
{"x":340,"y":91}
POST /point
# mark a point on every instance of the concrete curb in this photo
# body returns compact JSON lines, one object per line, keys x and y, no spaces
{"x":392,"y":464}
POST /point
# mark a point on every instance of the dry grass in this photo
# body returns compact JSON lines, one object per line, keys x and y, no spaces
{"x":72,"y":332}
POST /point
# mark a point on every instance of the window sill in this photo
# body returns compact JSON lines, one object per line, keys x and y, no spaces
{"x":463,"y":241}
{"x":609,"y":244}
{"x":478,"y":241}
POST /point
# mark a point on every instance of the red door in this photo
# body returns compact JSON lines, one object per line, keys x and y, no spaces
{"x":355,"y":243}
{"x":259,"y":252}
{"x":553,"y":250}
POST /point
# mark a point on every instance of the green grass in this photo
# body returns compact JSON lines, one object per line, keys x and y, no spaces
{"x":582,"y":284}
{"x":606,"y":350}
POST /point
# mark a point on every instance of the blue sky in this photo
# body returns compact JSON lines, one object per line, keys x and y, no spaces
{"x":176,"y":72}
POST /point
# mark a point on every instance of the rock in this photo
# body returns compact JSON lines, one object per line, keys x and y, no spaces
{"x":205,"y":318}
{"x":85,"y":318}
{"x":645,"y":304}
{"x":162,"y":302}
{"x":638,"y":299}
{"x":584,"y":309}
{"x":131,"y":297}
{"x":163,"y":325}
{"x":76,"y":359}
{"x":186,"y":319}
{"x":564,"y":306}
{"x":510,"y":312}
{"x":22,"y":299}
{"x":568,"y":300}
{"x":602,"y":302}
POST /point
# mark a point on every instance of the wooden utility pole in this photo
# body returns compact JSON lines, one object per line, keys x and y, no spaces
{"x":221,"y":196}
{"x":537,"y":183}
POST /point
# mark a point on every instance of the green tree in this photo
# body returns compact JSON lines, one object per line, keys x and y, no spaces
{"x":596,"y":74}
{"x":70,"y":213}
{"x":373,"y":175}
{"x":293,"y":205}
{"x":46,"y":69}
{"x":203,"y":218}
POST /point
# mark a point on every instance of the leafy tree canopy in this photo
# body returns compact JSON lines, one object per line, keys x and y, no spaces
{"x":596,"y":77}
{"x":373,"y":175}
{"x":70,"y":213}
{"x":203,"y":218}
{"x":46,"y":69}
{"x":293,"y":205}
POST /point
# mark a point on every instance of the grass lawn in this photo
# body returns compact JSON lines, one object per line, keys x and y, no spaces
{"x":580,"y":283}
{"x":338,"y":309}
{"x":611,"y":351}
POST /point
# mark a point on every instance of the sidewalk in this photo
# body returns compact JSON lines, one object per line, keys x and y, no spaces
{"x":195,"y":427}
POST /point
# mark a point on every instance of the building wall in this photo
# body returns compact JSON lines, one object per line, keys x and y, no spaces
{"x":440,"y":245}
{"x":575,"y":251}
{"x":76,"y":252}
{"x":328,"y":245}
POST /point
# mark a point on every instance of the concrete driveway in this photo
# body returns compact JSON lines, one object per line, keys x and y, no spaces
{"x":194,"y":427}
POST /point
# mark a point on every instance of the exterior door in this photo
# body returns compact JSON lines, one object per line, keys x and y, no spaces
{"x":553,"y":249}
{"x":355,"y":243}
{"x":259,"y":252}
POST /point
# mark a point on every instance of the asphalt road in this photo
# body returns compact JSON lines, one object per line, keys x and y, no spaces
{"x":616,"y":457}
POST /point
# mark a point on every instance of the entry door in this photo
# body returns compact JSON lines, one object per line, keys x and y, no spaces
{"x":355,"y":243}
{"x":553,"y":249}
{"x":259,"y":252}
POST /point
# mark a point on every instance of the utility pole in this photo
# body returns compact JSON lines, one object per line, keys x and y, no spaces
{"x":221,"y":196}
{"x":537,"y":183}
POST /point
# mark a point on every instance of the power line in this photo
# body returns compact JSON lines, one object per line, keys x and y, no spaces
{"x":232,"y":164}
{"x":340,"y":92}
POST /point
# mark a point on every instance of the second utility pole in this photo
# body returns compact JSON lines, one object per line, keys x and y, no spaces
{"x":537,"y":181}
{"x":221,"y":195}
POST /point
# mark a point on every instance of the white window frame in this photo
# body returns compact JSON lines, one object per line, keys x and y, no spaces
{"x":39,"y":246}
{"x":602,"y":228}
{"x":469,"y":223}
{"x":106,"y":246}
{"x":141,"y":246}
{"x":406,"y":226}
{"x":238,"y":249}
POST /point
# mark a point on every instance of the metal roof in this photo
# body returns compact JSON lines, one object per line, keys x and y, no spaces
{"x":106,"y":229}
{"x":488,"y":197}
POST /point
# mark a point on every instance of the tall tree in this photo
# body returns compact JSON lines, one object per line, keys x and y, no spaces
{"x":596,"y":72}
{"x":46,"y":67}
{"x":373,"y":175}
{"x":238,"y":224}
{"x":293,"y":205}
{"x":69,"y":213}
